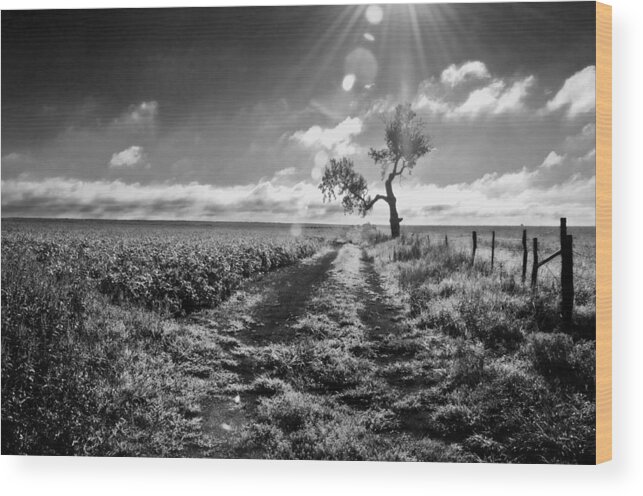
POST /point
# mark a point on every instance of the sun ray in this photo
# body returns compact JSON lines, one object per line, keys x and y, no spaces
{"x":339,"y":31}
{"x":417,"y":38}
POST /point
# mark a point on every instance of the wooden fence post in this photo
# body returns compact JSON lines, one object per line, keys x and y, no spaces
{"x":534,"y":269}
{"x":493,"y":247}
{"x":567,"y":280}
{"x":474,"y":237}
{"x":446,"y":241}
{"x":563,"y":231}
{"x":524,"y":255}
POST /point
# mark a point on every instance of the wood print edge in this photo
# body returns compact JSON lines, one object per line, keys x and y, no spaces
{"x":603,"y":232}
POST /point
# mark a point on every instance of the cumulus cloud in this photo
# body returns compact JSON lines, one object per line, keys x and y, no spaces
{"x":488,"y":94}
{"x":431,"y":96}
{"x":552,"y":160}
{"x":513,"y":98}
{"x":577,"y":95}
{"x":496,"y":98}
{"x":338,"y":139}
{"x":131,"y":157}
{"x":455,"y":75}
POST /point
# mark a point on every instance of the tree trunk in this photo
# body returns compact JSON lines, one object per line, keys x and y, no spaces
{"x":395,"y":223}
{"x":393,"y":219}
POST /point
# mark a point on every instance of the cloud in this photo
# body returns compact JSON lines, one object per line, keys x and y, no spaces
{"x":513,"y":98}
{"x":552,"y":160}
{"x":337,"y":139}
{"x":496,"y":98}
{"x":472,"y":70}
{"x":15,"y":163}
{"x":577,"y":95}
{"x":494,"y":185}
{"x":431,"y":96}
{"x":492,"y":95}
{"x":521,"y":197}
{"x":590,"y":155}
{"x":15,"y":157}
{"x":287,"y":172}
{"x":512,"y":199}
{"x":142,"y":114}
{"x":131,"y":157}
{"x":65,"y":197}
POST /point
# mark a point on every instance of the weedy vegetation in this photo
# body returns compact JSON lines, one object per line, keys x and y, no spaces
{"x":515,"y":385}
{"x":94,"y":361}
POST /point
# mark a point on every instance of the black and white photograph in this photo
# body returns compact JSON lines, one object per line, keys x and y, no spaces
{"x":336,"y":232}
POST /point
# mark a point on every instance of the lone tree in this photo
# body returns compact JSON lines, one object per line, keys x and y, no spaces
{"x":406,"y":142}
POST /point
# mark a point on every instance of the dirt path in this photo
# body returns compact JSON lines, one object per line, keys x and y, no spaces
{"x":260,"y":312}
{"x":322,"y":326}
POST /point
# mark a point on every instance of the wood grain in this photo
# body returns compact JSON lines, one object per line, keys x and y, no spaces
{"x":603,"y":232}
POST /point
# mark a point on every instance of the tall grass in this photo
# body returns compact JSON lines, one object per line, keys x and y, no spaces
{"x":520,"y":386}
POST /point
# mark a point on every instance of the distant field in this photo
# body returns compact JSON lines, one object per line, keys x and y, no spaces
{"x":174,"y":228}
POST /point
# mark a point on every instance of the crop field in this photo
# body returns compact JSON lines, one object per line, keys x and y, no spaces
{"x":83,"y":303}
{"x":292,"y":342}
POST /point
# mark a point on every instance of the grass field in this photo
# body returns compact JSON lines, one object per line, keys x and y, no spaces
{"x":269,"y":341}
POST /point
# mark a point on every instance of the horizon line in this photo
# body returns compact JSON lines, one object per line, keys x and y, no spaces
{"x":280,"y":222}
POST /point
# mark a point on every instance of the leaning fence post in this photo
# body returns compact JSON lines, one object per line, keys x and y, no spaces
{"x":474,"y":237}
{"x":524,"y":255}
{"x":493,"y":246}
{"x":567,"y":280}
{"x":534,"y":269}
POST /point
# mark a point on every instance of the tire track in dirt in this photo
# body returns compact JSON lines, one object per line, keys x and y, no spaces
{"x":285,"y":294}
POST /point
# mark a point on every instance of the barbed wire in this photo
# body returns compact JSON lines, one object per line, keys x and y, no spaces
{"x":582,"y":255}
{"x":557,"y":278}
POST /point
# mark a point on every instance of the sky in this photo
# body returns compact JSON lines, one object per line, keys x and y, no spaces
{"x":231,"y":114}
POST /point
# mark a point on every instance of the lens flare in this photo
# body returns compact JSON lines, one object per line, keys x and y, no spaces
{"x":348,"y":82}
{"x":362,"y":64}
{"x":374,"y":14}
{"x":295,"y":230}
{"x":321,"y":159}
